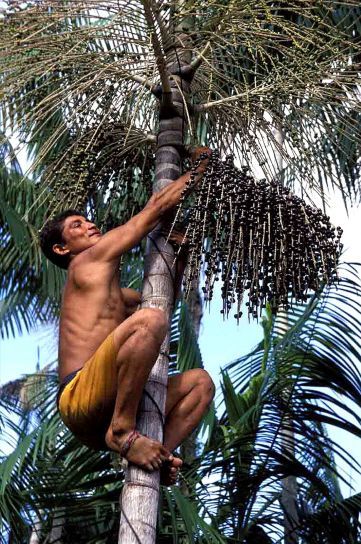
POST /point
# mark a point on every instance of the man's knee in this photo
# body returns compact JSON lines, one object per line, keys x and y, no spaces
{"x":154,"y":320}
{"x":205,"y":383}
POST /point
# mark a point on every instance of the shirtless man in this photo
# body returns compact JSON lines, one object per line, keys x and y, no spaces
{"x":107,"y":347}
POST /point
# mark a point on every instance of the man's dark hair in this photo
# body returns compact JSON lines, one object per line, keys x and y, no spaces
{"x":52,"y":233}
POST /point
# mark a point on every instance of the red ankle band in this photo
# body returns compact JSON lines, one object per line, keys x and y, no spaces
{"x":129,"y":441}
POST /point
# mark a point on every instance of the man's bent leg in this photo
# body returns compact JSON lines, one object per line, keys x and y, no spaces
{"x":188,"y":398}
{"x":137,"y":343}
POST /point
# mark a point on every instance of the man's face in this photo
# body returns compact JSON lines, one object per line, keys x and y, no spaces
{"x":78,"y":234}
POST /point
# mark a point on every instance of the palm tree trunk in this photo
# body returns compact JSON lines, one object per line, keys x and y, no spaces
{"x":35,"y":533}
{"x":57,"y":526}
{"x":289,"y":489}
{"x":195,"y":306}
{"x":139,"y":501}
{"x":289,"y":484}
{"x":188,"y":449}
{"x":288,"y":498}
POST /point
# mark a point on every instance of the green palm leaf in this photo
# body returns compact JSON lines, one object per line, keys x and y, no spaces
{"x":272,"y":66}
{"x":311,"y":362}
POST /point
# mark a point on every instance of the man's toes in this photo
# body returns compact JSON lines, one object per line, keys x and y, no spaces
{"x":172,"y":478}
{"x":175,"y":462}
{"x":164,"y":451}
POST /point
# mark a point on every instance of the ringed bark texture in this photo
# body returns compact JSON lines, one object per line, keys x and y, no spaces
{"x":139,"y":501}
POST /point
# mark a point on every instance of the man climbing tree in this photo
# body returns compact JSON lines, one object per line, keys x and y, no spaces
{"x":107,"y":346}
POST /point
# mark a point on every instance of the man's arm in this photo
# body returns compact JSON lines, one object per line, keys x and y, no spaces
{"x":121,"y":239}
{"x":132,"y":300}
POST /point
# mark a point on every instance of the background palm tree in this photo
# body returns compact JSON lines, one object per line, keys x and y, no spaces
{"x":81,"y":86}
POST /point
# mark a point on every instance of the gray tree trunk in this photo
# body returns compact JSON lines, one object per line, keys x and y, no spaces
{"x":195,"y":305}
{"x":188,"y":449}
{"x":288,"y":498}
{"x":57,"y":527}
{"x":35,"y":534}
{"x":289,"y":488}
{"x":139,"y":501}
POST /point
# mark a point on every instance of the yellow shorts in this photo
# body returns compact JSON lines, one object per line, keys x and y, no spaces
{"x":86,"y":403}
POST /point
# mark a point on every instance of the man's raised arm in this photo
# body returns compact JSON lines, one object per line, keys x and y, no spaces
{"x":121,"y":239}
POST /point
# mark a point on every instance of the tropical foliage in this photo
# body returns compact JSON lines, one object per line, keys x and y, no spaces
{"x":29,"y":290}
{"x":80,"y":83}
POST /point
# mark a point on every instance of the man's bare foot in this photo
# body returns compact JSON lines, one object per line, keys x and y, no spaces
{"x":170,"y":470}
{"x":144,"y":452}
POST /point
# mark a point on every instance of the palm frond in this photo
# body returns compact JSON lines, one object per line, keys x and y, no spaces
{"x":277,"y":404}
{"x":30,"y":474}
{"x":76,"y":74}
{"x":29,"y":287}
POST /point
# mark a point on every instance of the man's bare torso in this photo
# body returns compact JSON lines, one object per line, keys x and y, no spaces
{"x":93,"y":306}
